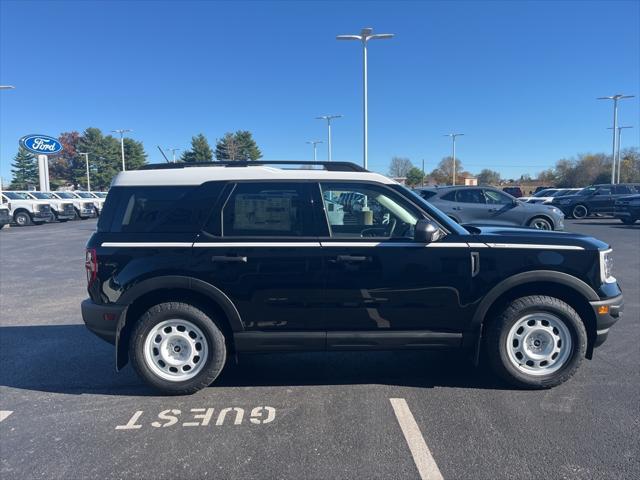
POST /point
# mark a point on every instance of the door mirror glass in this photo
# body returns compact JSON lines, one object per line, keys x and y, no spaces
{"x":425,"y":231}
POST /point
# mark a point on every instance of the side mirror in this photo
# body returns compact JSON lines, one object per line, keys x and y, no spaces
{"x":425,"y":231}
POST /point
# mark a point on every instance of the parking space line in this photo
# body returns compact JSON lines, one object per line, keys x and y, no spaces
{"x":427,"y":467}
{"x":4,"y":414}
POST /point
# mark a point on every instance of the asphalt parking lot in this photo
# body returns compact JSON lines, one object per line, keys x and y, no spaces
{"x":65,"y":412}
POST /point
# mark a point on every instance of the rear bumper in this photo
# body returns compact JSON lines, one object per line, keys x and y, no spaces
{"x":102,"y":320}
{"x":604,"y":321}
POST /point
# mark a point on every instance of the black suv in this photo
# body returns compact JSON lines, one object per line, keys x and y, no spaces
{"x":191,"y":264}
{"x":594,"y":199}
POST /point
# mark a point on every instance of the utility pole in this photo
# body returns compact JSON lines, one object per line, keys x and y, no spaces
{"x":86,"y":159}
{"x":173,"y":153}
{"x":453,"y":143}
{"x":122,"y":131}
{"x":615,"y":99}
{"x":619,"y":156}
{"x":315,"y":148}
{"x":366,"y":34}
{"x":328,"y":118}
{"x":422,"y":172}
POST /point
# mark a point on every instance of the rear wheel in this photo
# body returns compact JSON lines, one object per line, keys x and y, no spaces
{"x":628,"y":220}
{"x":579,"y":211}
{"x":541,"y":223}
{"x":22,"y":219}
{"x":536,"y":342}
{"x":177,"y":348}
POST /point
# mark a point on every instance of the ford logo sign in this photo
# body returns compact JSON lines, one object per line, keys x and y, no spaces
{"x":41,"y":144}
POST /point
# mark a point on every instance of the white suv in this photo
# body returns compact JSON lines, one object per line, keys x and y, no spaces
{"x":25,"y":210}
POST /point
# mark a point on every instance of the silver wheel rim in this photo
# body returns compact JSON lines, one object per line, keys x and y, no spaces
{"x":175,"y":350}
{"x":580,"y":211}
{"x":21,"y":219}
{"x":539,"y":344}
{"x":541,"y":224}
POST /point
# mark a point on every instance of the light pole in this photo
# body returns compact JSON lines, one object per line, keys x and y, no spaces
{"x":122,"y":131}
{"x":328,"y":118}
{"x":366,"y":34}
{"x":453,"y":144}
{"x":422,"y":173}
{"x":86,"y":159}
{"x":315,"y":148}
{"x":615,"y":99}
{"x":619,"y":155}
{"x":173,"y":153}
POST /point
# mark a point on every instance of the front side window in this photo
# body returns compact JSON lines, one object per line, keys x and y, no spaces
{"x":268,"y":210}
{"x":373,"y":212}
{"x":497,"y":198}
{"x":470,"y":195}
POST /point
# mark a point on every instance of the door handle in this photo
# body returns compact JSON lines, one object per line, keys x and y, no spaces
{"x":229,"y":259}
{"x":351,"y":258}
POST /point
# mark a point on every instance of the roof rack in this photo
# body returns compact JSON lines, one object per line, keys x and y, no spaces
{"x":329,"y":166}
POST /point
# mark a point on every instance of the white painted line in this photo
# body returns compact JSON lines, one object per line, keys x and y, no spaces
{"x":4,"y":414}
{"x":427,"y":467}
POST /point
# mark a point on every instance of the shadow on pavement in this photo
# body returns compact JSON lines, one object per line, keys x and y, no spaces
{"x":69,"y":359}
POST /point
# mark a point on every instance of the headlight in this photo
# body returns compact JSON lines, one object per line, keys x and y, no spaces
{"x":606,"y":266}
{"x":564,"y":201}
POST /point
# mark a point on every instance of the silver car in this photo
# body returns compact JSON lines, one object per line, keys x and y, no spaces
{"x":490,"y":206}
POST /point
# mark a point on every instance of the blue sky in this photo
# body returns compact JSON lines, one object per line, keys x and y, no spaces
{"x":518,"y":78}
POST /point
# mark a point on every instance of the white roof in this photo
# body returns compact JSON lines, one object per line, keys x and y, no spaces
{"x":199,"y":175}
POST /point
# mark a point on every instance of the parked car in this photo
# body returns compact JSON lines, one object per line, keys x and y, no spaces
{"x":547,"y":195}
{"x":25,"y":210}
{"x":98,"y":201}
{"x":191,"y":264}
{"x":513,"y":191}
{"x":84,"y":208}
{"x":5,"y":215}
{"x":596,"y":199}
{"x":540,"y":188}
{"x":61,"y":210}
{"x":627,"y":209}
{"x":490,"y":206}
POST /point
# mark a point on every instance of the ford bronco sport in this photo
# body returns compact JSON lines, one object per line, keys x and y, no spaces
{"x":192,"y":263}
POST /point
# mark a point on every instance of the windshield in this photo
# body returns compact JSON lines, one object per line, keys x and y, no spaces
{"x":566,"y":191}
{"x":547,"y":192}
{"x":42,"y":195}
{"x":17,"y":196}
{"x":587,"y":191}
{"x":84,"y":195}
{"x":100,"y":194}
{"x":65,"y":195}
{"x":433,"y":211}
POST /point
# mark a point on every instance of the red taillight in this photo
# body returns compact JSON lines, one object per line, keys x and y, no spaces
{"x":91,"y":264}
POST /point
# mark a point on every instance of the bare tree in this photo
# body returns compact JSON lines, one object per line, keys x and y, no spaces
{"x":399,"y":167}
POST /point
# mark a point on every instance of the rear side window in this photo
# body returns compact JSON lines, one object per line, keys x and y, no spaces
{"x":450,"y":197}
{"x":471,"y":195}
{"x":268,"y":209}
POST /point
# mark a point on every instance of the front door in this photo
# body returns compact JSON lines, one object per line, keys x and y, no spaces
{"x":264,"y":254}
{"x":378,"y":277}
{"x":502,"y":209}
{"x":602,"y":200}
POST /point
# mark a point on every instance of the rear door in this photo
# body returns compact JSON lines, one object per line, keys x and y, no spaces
{"x":379,"y":278}
{"x":602,"y":200}
{"x":261,"y":249}
{"x":471,"y":206}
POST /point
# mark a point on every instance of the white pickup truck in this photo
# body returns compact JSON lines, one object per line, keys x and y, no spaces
{"x":84,"y":208}
{"x":25,"y":210}
{"x":97,"y":199}
{"x":62,"y":210}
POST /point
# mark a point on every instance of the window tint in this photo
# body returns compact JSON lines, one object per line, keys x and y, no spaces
{"x":426,"y":194}
{"x":450,"y":197}
{"x":604,"y":191}
{"x":372,"y":212}
{"x":497,"y":198}
{"x":470,"y":195}
{"x":268,"y":210}
{"x":623,"y":189}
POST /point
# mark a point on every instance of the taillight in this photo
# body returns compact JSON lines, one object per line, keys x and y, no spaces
{"x":91,"y":264}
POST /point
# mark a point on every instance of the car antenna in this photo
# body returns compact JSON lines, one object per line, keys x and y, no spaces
{"x":165,"y":157}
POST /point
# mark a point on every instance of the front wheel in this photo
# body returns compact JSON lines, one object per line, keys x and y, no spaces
{"x":536,"y":342}
{"x":541,"y":223}
{"x":22,"y":219}
{"x":177,"y":348}
{"x":579,"y":211}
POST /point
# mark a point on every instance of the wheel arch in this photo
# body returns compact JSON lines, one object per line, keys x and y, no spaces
{"x":173,"y":288}
{"x":561,"y":285}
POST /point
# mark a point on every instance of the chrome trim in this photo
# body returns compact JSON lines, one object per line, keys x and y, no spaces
{"x":534,"y":246}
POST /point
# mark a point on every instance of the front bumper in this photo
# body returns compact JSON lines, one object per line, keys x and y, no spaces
{"x":102,"y":320}
{"x":607,"y":312}
{"x":87,"y":213}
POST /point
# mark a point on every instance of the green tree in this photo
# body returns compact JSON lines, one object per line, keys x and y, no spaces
{"x":443,"y":173}
{"x":414,"y":176}
{"x":630,"y":169}
{"x":24,"y":170}
{"x":239,"y":146}
{"x":488,"y":177}
{"x":200,"y":150}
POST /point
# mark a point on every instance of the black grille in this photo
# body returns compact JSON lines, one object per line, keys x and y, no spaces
{"x":44,"y":209}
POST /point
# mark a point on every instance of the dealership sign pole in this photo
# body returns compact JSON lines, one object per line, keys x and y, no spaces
{"x":42,"y":146}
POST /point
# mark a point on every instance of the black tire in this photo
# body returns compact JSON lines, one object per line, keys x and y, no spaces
{"x":216,"y":346}
{"x":497,"y":338}
{"x":628,"y":220}
{"x":579,"y":211}
{"x":76,"y":215}
{"x":22,"y":219}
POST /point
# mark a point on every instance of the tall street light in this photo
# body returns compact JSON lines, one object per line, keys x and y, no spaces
{"x":619,"y":156}
{"x":86,"y":159}
{"x":328,"y":118}
{"x":453,"y":143}
{"x":615,"y":99}
{"x":366,"y":34}
{"x":173,"y":153}
{"x":122,"y":131}
{"x":315,"y":148}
